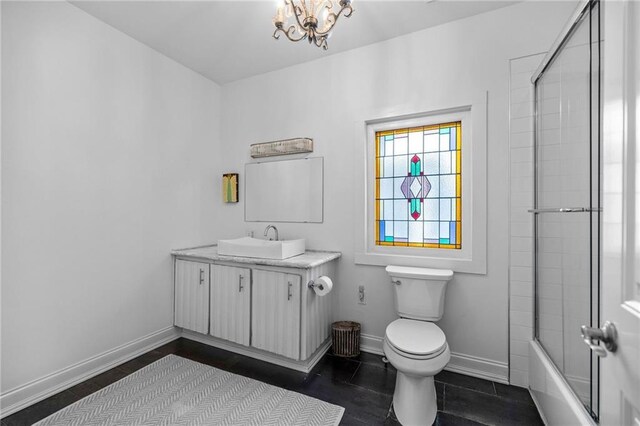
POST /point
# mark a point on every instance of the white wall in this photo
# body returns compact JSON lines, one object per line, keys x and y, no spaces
{"x":108,"y":162}
{"x":323,"y":98}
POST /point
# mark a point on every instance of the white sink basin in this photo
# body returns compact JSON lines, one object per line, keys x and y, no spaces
{"x":263,"y":249}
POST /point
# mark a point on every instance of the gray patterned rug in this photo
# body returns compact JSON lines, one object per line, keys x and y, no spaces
{"x":178,"y":391}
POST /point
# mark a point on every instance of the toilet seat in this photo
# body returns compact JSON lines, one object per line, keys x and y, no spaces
{"x":416,"y":339}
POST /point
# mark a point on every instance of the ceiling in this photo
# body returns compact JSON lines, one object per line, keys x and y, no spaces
{"x":231,"y":40}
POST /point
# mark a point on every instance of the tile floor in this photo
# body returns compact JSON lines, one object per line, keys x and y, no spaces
{"x":364,"y":386}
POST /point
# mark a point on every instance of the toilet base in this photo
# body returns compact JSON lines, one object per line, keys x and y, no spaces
{"x":414,"y":400}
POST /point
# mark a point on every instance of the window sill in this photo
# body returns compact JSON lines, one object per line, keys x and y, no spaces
{"x":468,"y":266}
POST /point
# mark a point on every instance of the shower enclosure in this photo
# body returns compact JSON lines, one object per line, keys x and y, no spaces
{"x":567,"y":202}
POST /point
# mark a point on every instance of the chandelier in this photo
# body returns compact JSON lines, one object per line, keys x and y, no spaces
{"x":312,"y":19}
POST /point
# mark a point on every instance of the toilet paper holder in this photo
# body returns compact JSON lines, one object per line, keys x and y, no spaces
{"x":312,"y":284}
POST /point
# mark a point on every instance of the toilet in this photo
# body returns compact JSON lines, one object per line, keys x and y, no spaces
{"x":413,"y":344}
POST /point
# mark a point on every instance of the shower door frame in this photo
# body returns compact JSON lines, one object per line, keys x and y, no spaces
{"x":582,"y":13}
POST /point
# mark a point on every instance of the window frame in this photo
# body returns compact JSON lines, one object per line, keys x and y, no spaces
{"x":471,"y":258}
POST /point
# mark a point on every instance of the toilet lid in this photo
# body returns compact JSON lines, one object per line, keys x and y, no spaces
{"x":415,"y":337}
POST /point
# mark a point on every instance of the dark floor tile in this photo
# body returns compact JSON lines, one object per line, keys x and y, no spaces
{"x":40,"y":410}
{"x":339,"y":369}
{"x":268,"y":373}
{"x":133,"y":365}
{"x":170,"y":347}
{"x":360,"y":403}
{"x":447,"y":419}
{"x":467,"y":382}
{"x":375,"y":378}
{"x":488,"y":409}
{"x":150,"y":357}
{"x":440,"y":392}
{"x":372,"y":359}
{"x":348,"y":420}
{"x":514,"y":393}
{"x":109,"y":377}
{"x":85,"y":388}
{"x":210,"y":355}
{"x":392,"y":421}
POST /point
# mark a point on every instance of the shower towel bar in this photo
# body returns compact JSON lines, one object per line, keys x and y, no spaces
{"x":565,"y":210}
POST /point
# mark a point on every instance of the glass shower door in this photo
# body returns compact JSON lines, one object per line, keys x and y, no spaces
{"x":567,"y":205}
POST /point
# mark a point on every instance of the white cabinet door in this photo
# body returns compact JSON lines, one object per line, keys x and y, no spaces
{"x":275,"y":319}
{"x":192,"y":296}
{"x":231,"y":303}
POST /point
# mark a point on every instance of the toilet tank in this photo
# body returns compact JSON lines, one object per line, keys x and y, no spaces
{"x":419,"y":292}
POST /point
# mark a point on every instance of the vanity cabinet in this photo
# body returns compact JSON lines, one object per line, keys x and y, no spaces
{"x":275,"y":318}
{"x":192,"y":295}
{"x":262,"y":308}
{"x":230,"y":303}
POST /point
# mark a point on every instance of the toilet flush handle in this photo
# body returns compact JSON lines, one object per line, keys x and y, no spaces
{"x":396,"y":282}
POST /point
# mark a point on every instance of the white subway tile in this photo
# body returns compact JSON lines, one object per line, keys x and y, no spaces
{"x":525,"y":124}
{"x":519,"y":258}
{"x":521,"y":318}
{"x":518,"y":378}
{"x":519,"y":332}
{"x":521,"y":288}
{"x":518,"y":362}
{"x":521,"y":304}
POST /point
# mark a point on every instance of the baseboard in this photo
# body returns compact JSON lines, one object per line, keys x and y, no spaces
{"x":23,"y":396}
{"x":303,"y":366}
{"x":371,"y":344}
{"x":460,"y":363}
{"x":483,"y":368}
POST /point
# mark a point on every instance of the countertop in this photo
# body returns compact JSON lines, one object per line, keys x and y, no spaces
{"x":310,"y":258}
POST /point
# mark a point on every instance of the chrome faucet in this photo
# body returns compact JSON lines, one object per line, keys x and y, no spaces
{"x":266,"y":232}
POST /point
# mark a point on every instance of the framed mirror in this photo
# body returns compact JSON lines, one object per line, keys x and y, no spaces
{"x":285,"y":191}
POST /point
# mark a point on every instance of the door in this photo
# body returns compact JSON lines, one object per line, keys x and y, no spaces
{"x":620,"y":370}
{"x":230,"y":303}
{"x":275,"y":321}
{"x":192,"y":296}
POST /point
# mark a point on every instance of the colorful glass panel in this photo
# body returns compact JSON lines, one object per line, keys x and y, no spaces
{"x":419,"y":186}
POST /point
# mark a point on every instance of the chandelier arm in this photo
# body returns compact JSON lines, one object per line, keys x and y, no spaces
{"x":297,"y":12}
{"x":333,"y":18}
{"x":321,"y":42}
{"x":288,"y":33}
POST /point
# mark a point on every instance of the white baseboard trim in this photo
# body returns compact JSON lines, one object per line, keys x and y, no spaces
{"x":23,"y":396}
{"x":482,"y":368}
{"x":304,"y":366}
{"x":371,"y":344}
{"x":460,"y":363}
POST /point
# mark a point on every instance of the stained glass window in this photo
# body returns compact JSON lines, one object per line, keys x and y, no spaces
{"x":419,"y":186}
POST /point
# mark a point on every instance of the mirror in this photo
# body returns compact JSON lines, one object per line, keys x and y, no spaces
{"x":284,"y":191}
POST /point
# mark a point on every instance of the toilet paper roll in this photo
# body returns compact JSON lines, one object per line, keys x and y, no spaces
{"x":322,"y":285}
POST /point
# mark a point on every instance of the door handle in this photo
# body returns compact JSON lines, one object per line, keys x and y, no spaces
{"x":289,"y":294}
{"x":240,"y":287}
{"x":607,"y":334}
{"x":201,"y":276}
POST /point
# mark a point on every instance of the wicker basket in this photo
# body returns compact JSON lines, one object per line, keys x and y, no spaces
{"x":345,"y":337}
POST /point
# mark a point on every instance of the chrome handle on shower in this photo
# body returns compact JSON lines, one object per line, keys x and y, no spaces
{"x":565,"y":210}
{"x":289,"y":293}
{"x":201,"y":276}
{"x":607,"y":334}
{"x":240,"y":287}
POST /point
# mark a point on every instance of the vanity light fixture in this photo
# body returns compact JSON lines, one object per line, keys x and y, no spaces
{"x":312,"y":19}
{"x":283,"y":147}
